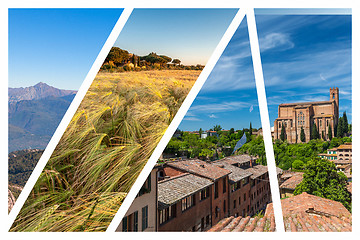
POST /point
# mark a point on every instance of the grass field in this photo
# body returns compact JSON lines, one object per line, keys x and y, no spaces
{"x":109,"y":140}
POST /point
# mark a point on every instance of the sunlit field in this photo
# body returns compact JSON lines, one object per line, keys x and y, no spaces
{"x":109,"y":140}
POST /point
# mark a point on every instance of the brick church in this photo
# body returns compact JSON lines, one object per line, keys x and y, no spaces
{"x":293,"y":116}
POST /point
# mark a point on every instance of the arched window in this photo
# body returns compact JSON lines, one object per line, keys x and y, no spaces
{"x":333,"y":96}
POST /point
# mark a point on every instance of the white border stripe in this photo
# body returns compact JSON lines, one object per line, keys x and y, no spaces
{"x":68,"y":115}
{"x":177,"y":120}
{"x":265,"y":122}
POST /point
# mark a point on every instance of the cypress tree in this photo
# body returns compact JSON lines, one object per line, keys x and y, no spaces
{"x":340,"y":128}
{"x":302,"y":135}
{"x":314,"y":132}
{"x":250,"y":130}
{"x":283,"y":133}
{"x":329,"y":132}
{"x":345,"y":123}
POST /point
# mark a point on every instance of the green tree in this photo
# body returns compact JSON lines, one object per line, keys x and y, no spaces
{"x":302,"y":135}
{"x":322,"y":179}
{"x":117,"y":56}
{"x":314,"y":132}
{"x":231,"y":131}
{"x":176,"y":61}
{"x":200,"y":132}
{"x":345,"y":123}
{"x":298,"y":165}
{"x":217,"y":128}
{"x":250,"y":129}
{"x":283,"y":133}
{"x":340,"y":128}
{"x":329,"y":132}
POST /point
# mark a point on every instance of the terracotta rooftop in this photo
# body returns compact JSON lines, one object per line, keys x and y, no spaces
{"x":176,"y":188}
{"x":236,"y":159}
{"x":291,"y":182}
{"x":246,"y":224}
{"x":236,"y":174}
{"x":200,"y":168}
{"x":259,"y":170}
{"x":345,"y":146}
{"x":302,"y":213}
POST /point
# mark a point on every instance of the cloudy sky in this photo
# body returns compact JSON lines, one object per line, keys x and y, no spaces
{"x":302,"y":55}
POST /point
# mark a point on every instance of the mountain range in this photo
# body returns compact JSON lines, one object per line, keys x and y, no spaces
{"x":34,"y":114}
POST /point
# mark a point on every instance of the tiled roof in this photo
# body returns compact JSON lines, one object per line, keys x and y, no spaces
{"x":345,"y":146}
{"x":236,"y":159}
{"x":292,"y":181}
{"x":257,"y":171}
{"x":200,"y":168}
{"x":176,"y":188}
{"x":246,"y":224}
{"x":302,"y":213}
{"x":236,"y":174}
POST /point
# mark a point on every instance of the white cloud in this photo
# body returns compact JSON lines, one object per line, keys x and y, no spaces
{"x":279,"y":41}
{"x":212,"y":116}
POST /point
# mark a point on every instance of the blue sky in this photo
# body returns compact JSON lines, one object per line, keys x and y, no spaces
{"x":56,"y":46}
{"x":228,"y":96}
{"x":190,"y":35}
{"x":302,"y":57}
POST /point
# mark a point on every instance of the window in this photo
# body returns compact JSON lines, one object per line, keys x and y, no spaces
{"x":279,"y":124}
{"x":207,"y":220}
{"x":167,"y":214}
{"x":205,"y":193}
{"x":124,"y":225}
{"x":224,"y":185}
{"x":130,"y":222}
{"x":146,"y":187}
{"x":224,"y":206}
{"x":244,"y":197}
{"x":234,"y":203}
{"x":217,"y":209}
{"x":144,"y":218}
{"x":245,"y":181}
{"x":239,"y":201}
{"x":216,"y":189}
{"x":187,"y":202}
{"x":136,"y":224}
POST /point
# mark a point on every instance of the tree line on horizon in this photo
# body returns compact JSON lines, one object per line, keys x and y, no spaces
{"x":120,"y":60}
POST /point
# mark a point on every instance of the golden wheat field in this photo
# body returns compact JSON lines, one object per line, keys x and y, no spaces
{"x":109,"y":140}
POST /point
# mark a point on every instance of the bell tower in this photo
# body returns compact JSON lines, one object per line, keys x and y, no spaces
{"x":334,"y":95}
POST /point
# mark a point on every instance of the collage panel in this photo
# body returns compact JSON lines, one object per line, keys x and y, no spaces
{"x":306,"y":57}
{"x":213,"y":174}
{"x":41,"y":90}
{"x":134,"y":97}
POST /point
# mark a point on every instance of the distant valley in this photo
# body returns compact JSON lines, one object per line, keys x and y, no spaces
{"x":34,"y":114}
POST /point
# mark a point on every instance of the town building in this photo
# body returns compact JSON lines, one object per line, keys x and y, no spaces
{"x":287,"y":187}
{"x":342,"y":157}
{"x":180,"y":199}
{"x":142,"y":214}
{"x":219,"y":177}
{"x":294,"y":117}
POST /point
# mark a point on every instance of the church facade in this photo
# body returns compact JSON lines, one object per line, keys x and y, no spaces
{"x":294,"y":116}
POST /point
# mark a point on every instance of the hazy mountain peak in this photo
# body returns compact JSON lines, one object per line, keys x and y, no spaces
{"x":38,"y":91}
